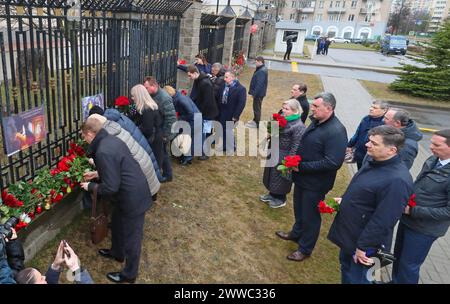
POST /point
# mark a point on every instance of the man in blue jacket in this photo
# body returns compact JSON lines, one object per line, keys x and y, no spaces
{"x":371,"y":205}
{"x":233,"y":101}
{"x":258,"y":89}
{"x":400,"y":119}
{"x":424,"y":223}
{"x":358,"y":142}
{"x":322,"y":149}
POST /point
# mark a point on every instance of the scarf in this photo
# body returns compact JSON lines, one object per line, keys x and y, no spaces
{"x":292,"y":117}
{"x":226,"y":92}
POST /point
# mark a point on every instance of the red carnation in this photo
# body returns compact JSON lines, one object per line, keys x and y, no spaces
{"x":122,"y":101}
{"x":184,"y":92}
{"x":282,"y":122}
{"x":31,"y":215}
{"x":53,"y":172}
{"x":181,"y":61}
{"x":276,"y":116}
{"x":38,"y":209}
{"x":412,"y":201}
{"x":330,"y":206}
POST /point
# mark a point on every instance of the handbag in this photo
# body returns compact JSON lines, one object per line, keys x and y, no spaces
{"x":98,"y":222}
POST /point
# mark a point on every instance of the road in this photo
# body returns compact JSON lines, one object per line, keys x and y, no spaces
{"x":370,"y":58}
{"x":329,"y":71}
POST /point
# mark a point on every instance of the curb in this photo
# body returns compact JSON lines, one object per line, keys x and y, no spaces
{"x":340,"y":66}
{"x":434,"y":107}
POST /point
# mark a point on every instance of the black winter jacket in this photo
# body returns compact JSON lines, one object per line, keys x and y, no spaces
{"x":202,"y":94}
{"x":259,"y":82}
{"x":304,"y":103}
{"x":412,"y":136}
{"x":322,"y":150}
{"x":122,"y":179}
{"x":371,"y":206}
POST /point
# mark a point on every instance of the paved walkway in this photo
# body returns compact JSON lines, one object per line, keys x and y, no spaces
{"x":353,"y":103}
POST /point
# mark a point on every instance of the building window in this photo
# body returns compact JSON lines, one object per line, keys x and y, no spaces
{"x":331,"y":4}
{"x":304,"y":17}
{"x":368,"y":17}
{"x":343,"y":4}
{"x":321,"y":4}
{"x":319,"y":17}
{"x":312,"y":4}
{"x":338,"y":3}
{"x":330,"y":17}
{"x":338,"y":17}
{"x":294,"y":3}
{"x":351,"y":17}
{"x":354,"y":3}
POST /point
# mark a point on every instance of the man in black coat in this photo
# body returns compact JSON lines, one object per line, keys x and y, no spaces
{"x":258,"y":89}
{"x":371,"y":206}
{"x":124,"y":183}
{"x":299,"y":92}
{"x":234,"y":97}
{"x":322,"y":149}
{"x":202,"y":94}
{"x":287,"y":55}
{"x":218,"y":80}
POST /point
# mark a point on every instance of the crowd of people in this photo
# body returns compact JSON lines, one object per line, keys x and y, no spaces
{"x":131,"y":156}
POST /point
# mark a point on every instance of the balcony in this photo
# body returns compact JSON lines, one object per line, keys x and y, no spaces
{"x":364,"y":11}
{"x":336,"y":10}
{"x":306,"y":10}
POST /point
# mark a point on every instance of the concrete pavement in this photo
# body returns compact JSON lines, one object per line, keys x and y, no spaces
{"x":353,"y":103}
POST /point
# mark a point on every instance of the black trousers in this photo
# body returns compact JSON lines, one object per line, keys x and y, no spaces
{"x":307,"y":218}
{"x":126,"y":239}
{"x":257,"y":105}
{"x":287,"y":55}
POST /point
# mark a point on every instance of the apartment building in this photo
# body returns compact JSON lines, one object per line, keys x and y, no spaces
{"x":440,"y":11}
{"x":366,"y":19}
{"x":415,"y":5}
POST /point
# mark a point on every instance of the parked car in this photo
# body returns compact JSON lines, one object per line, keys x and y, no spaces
{"x":394,"y":44}
{"x":339,"y":40}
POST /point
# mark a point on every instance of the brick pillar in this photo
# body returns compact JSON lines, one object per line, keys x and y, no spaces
{"x":189,"y":40}
{"x":257,"y":39}
{"x":228,"y":42}
{"x":245,"y":43}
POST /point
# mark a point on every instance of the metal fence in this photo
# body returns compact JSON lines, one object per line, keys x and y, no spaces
{"x":239,"y":35}
{"x":212,"y":36}
{"x":46,"y":59}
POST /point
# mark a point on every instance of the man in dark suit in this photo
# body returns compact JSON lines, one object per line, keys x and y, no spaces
{"x":124,"y":183}
{"x":322,"y":149}
{"x":371,"y":205}
{"x":258,"y":89}
{"x":287,"y":55}
{"x":233,"y":101}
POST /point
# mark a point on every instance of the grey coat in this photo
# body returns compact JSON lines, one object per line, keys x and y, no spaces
{"x":138,"y":153}
{"x":289,"y":142}
{"x":431,"y":216}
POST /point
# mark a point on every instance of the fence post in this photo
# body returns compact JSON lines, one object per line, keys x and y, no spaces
{"x":189,"y":40}
{"x":228,"y":42}
{"x":246,"y":42}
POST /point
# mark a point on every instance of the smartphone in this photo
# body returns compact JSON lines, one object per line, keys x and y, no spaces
{"x":65,"y":251}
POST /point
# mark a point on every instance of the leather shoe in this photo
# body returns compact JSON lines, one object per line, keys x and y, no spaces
{"x":286,"y":236}
{"x":297,"y":256}
{"x":106,"y":253}
{"x":117,"y":277}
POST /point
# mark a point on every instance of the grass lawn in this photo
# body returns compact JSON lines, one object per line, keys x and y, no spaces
{"x":208,"y":225}
{"x":381,"y":91}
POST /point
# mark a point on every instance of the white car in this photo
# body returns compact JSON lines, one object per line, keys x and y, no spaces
{"x":339,"y":40}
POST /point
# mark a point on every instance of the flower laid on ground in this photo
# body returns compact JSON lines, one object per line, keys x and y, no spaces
{"x":330,"y":206}
{"x":412,"y":201}
{"x":288,"y":163}
{"x":24,"y":199}
{"x":282,"y":122}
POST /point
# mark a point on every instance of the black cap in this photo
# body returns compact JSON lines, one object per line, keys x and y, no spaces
{"x":96,"y":110}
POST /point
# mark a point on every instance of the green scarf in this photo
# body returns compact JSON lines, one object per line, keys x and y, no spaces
{"x":292,"y":117}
